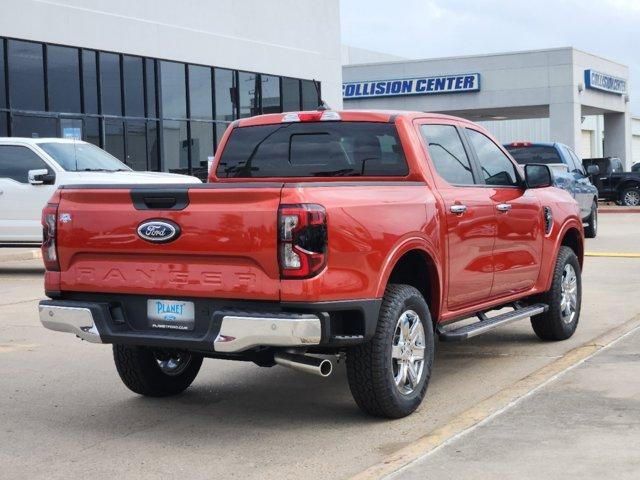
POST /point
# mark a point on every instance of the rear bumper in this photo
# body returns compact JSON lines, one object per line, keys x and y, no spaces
{"x":220,"y":327}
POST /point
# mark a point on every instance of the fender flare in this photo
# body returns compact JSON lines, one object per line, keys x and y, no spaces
{"x":566,"y":226}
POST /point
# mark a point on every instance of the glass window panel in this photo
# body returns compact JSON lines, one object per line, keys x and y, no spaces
{"x":447,"y":153}
{"x":225,"y":89}
{"x":133,"y":86}
{"x":247,"y":89}
{"x":71,"y":128}
{"x":152,"y":146}
{"x":201,"y":147}
{"x":175,"y":146}
{"x":110,"y":84}
{"x":26,"y":75}
{"x":290,"y":94}
{"x":221,"y":127}
{"x":4,"y":124}
{"x":270,"y":93}
{"x":15,"y":163}
{"x":150,"y":72}
{"x":174,"y":96}
{"x":200,"y":95}
{"x":63,"y":78}
{"x":114,"y":137}
{"x":34,"y":127}
{"x":3,"y":91}
{"x":89,"y":81}
{"x":92,"y":130}
{"x":496,"y":168}
{"x":137,"y":145}
{"x":309,"y":95}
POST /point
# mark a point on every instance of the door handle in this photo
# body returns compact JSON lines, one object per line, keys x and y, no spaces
{"x":458,"y":209}
{"x":503,"y":207}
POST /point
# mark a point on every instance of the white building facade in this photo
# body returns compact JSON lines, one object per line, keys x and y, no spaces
{"x":156,"y":82}
{"x":563,"y":94}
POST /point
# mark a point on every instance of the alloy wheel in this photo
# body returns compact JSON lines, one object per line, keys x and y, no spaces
{"x":407,"y":352}
{"x":569,"y":292}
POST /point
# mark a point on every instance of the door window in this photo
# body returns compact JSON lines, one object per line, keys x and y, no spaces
{"x":496,"y":167}
{"x":577,"y":161}
{"x":16,"y":161}
{"x":447,"y":153}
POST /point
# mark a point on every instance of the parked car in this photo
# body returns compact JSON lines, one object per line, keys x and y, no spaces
{"x":568,"y":174}
{"x":32,"y":168}
{"x":358,"y":232}
{"x":613,"y":182}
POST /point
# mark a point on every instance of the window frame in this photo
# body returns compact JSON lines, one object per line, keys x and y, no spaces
{"x":50,"y":169}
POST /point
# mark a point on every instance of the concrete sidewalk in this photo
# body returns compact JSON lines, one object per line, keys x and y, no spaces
{"x":18,"y":254}
{"x":585,"y":425}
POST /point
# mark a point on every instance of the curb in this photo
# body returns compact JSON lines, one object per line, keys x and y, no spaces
{"x":494,"y":405}
{"x":20,"y":256}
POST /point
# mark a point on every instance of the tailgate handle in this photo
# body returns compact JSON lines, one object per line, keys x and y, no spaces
{"x":160,"y":199}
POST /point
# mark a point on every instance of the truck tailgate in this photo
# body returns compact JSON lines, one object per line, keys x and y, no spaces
{"x":226,"y":247}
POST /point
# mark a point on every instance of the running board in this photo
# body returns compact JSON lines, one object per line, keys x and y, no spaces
{"x":486,"y":324}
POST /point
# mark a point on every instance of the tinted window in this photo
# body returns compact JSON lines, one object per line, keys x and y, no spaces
{"x":4,"y":130}
{"x":92,"y":130}
{"x":309,"y":95}
{"x":63,"y":78}
{"x":110,"y":83}
{"x":78,"y":156}
{"x":152,"y":146}
{"x":570,"y":160}
{"x":201,"y":147}
{"x":248,"y":88}
{"x":270,"y":86}
{"x":577,"y":161}
{"x":133,"y":86}
{"x":174,"y":96}
{"x":447,"y":153}
{"x":3,"y":91}
{"x":15,"y":163}
{"x":326,"y":149}
{"x":616,"y":165}
{"x":33,"y":126}
{"x":290,"y":94}
{"x":175,"y":146}
{"x":200,"y":95}
{"x":534,"y":154}
{"x":137,"y":144}
{"x":150,"y":81}
{"x":26,"y":75}
{"x":496,"y":168}
{"x":89,"y":81}
{"x":225,"y":94}
{"x":114,"y":138}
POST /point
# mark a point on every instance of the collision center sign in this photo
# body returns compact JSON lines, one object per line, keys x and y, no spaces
{"x":602,"y":81}
{"x":465,"y":82}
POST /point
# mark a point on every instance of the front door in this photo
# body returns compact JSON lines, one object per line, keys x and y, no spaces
{"x":469,"y":216}
{"x":517,"y":251}
{"x":21,"y":203}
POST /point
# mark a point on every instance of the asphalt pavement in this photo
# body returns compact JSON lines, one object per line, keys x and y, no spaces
{"x":64,"y":412}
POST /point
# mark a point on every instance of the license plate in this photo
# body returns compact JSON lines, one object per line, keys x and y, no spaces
{"x":171,"y":314}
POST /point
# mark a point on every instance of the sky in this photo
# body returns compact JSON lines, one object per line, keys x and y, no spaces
{"x":442,"y":28}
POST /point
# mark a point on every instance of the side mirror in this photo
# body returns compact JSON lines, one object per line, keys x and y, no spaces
{"x":537,"y":175}
{"x":40,"y":176}
{"x":593,"y":170}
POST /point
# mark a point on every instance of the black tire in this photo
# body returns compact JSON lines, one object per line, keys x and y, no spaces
{"x":370,"y":367}
{"x":139,"y":370}
{"x":630,"y":197}
{"x":591,"y":230}
{"x":552,"y":325}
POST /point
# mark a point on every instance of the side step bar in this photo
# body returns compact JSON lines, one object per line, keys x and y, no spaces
{"x":486,"y":324}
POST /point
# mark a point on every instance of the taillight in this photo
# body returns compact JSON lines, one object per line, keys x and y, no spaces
{"x":49,"y":232}
{"x":302,"y":239}
{"x":319,"y":116}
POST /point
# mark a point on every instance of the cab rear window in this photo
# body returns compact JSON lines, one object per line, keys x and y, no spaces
{"x":313,"y":149}
{"x":534,"y":154}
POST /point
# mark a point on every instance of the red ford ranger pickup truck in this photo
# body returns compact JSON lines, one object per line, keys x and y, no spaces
{"x":356,"y":233}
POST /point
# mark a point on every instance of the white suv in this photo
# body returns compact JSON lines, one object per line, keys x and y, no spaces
{"x":32,"y":168}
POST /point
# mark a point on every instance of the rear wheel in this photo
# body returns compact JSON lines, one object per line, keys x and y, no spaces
{"x":156,"y":372}
{"x":564,"y":298}
{"x":631,"y":197}
{"x":591,"y":230}
{"x":389,"y":375}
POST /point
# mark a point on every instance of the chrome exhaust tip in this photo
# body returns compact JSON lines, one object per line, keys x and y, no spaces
{"x":304,"y":363}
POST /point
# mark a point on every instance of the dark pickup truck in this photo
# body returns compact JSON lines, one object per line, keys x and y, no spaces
{"x":613,"y":183}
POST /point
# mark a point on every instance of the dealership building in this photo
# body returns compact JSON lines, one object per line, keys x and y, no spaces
{"x":156,"y":82}
{"x":561,"y":94}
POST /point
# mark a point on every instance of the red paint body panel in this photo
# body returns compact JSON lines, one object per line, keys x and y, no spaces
{"x":229,"y":240}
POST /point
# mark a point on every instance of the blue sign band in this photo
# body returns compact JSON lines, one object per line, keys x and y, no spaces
{"x":465,"y":82}
{"x":607,"y":83}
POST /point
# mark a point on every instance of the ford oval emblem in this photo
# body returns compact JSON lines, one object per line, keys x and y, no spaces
{"x":158,"y":231}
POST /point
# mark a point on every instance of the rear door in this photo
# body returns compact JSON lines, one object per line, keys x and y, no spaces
{"x":469,"y":215}
{"x":517,"y":250}
{"x":225,"y":246}
{"x":584,"y":189}
{"x":21,"y":203}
